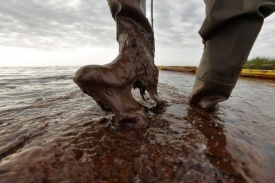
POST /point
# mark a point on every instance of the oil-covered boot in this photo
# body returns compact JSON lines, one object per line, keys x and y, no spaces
{"x":110,"y":85}
{"x":229,"y":32}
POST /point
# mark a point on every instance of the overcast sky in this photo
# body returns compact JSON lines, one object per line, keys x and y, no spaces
{"x":81,"y":32}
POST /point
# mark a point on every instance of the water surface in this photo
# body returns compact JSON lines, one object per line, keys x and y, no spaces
{"x":51,"y":132}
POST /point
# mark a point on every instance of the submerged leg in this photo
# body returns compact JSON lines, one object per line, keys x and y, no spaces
{"x":229,"y":32}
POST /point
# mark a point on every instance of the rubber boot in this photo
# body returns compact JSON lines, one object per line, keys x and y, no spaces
{"x":110,"y":85}
{"x":229,"y":32}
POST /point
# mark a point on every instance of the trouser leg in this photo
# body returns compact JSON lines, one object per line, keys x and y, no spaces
{"x":229,"y":32}
{"x":110,"y":85}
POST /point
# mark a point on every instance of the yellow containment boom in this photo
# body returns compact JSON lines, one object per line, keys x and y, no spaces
{"x":270,"y":74}
{"x":258,"y":73}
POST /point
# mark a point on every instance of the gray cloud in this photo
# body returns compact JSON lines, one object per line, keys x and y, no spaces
{"x":266,"y":38}
{"x":59,"y":24}
{"x":177,"y":23}
{"x":55,"y":24}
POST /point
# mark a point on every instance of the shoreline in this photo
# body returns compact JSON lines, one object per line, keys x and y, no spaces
{"x":264,"y":74}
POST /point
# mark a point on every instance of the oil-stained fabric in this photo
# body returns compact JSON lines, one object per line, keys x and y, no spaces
{"x":110,"y":85}
{"x":229,"y":32}
{"x":219,"y":12}
{"x":134,"y":10}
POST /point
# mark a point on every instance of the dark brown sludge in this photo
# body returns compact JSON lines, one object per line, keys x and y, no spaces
{"x":110,"y":85}
{"x":53,"y":141}
{"x":229,"y":32}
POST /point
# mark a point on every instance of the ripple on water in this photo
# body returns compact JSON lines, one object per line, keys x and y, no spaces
{"x":68,"y":138}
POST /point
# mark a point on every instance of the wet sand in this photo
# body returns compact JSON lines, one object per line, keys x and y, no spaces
{"x":70,"y":139}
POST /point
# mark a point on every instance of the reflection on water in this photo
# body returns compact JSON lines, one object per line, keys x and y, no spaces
{"x":65,"y":137}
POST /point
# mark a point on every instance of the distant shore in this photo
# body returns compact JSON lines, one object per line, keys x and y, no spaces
{"x":266,"y":74}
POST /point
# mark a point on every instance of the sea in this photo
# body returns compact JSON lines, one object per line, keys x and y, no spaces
{"x":21,"y":86}
{"x":51,"y":132}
